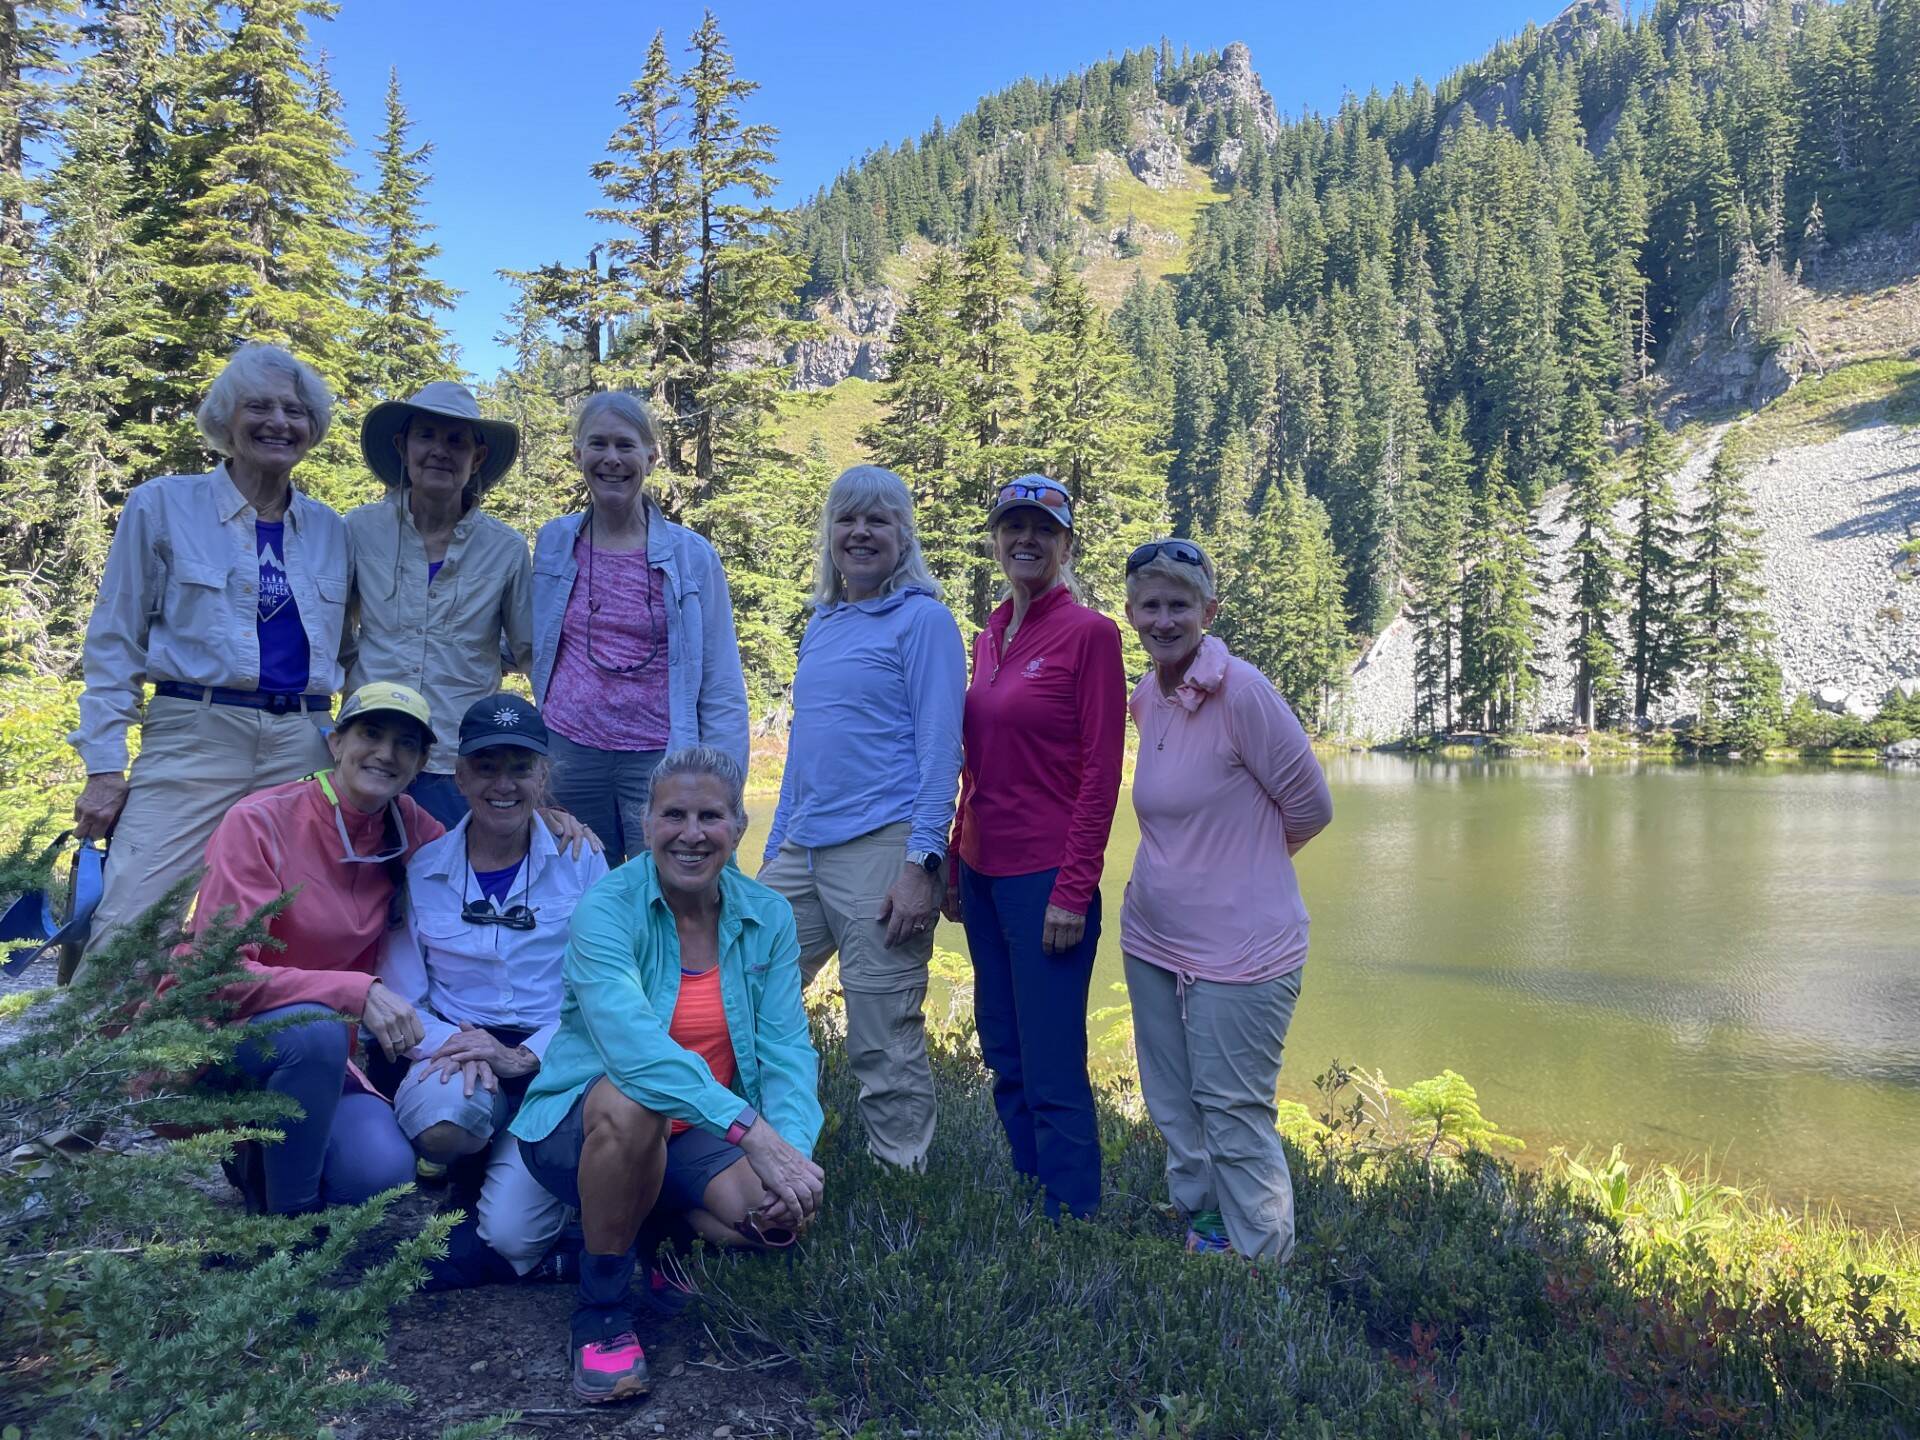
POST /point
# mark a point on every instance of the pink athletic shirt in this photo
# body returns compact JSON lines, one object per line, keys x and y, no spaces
{"x":587,"y":704}
{"x":1044,"y":728}
{"x":1226,"y":787}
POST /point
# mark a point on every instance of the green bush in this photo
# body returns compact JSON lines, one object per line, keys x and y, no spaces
{"x":135,"y":1299}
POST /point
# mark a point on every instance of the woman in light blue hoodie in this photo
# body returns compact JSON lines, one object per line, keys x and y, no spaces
{"x":873,"y":764}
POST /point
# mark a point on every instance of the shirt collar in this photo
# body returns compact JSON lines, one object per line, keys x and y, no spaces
{"x":227,"y":496}
{"x":1044,"y":605}
{"x":449,"y":858}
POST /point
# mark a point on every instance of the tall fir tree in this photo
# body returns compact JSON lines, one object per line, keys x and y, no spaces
{"x":402,"y":345}
{"x":1593,"y":567}
{"x":1736,"y":680}
{"x":1436,"y":549}
{"x":1086,"y":427}
{"x":923,"y":432}
{"x":1500,"y":609}
{"x":266,"y":244}
{"x":644,"y":296}
{"x":993,"y":352}
{"x":744,"y":278}
{"x":1656,"y":616}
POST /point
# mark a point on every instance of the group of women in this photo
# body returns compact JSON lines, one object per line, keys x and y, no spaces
{"x":626,"y":1042}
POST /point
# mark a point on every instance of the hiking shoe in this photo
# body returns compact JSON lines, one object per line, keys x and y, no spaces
{"x":1207,"y":1235}
{"x":608,"y":1370}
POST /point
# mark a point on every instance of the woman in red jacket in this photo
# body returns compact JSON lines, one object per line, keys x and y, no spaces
{"x":1044,"y":727}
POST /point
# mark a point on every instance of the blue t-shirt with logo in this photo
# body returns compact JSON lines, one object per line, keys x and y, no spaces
{"x":284,"y":657}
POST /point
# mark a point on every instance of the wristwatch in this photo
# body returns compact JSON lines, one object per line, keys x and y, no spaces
{"x":743,"y":1122}
{"x":928,"y":860}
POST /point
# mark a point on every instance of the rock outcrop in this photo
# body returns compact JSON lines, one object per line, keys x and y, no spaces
{"x":854,"y":342}
{"x":1573,"y":29}
{"x":1228,"y":87}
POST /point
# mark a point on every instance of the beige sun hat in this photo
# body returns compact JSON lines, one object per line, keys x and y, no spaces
{"x":445,"y":398}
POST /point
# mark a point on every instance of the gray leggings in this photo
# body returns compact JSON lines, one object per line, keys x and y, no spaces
{"x":606,"y":790}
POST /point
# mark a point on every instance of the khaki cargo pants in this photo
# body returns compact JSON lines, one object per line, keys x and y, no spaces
{"x":836,"y":892}
{"x":196,"y":760}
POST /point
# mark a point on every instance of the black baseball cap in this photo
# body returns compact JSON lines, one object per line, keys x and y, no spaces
{"x":503,"y":720}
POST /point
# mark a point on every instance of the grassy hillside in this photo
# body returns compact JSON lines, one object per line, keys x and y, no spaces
{"x":1166,"y":212}
{"x":1844,"y":399}
{"x":834,"y":415}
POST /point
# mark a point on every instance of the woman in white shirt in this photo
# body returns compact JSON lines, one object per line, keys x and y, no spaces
{"x":480,"y":959}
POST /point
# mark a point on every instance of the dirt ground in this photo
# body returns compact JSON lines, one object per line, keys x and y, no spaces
{"x":469,"y":1354}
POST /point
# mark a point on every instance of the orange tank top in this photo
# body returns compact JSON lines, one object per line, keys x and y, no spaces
{"x":699,"y":1024}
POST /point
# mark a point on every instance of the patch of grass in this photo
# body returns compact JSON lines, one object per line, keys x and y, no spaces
{"x":1444,"y":1296}
{"x":1817,"y":410}
{"x":1172,"y":212}
{"x":836,"y":414}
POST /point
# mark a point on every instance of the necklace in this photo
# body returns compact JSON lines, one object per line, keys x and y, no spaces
{"x":1167,"y":729}
{"x":593,"y":609}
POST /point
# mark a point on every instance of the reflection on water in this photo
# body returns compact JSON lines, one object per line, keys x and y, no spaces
{"x":1687,"y":959}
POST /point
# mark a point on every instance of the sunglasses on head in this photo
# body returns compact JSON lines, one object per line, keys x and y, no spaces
{"x":1183,"y":551}
{"x":1047,"y":494}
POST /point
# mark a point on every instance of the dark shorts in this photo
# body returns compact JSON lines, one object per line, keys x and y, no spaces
{"x":694,"y":1157}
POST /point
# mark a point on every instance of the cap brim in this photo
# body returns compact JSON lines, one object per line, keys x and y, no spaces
{"x":387,"y":419}
{"x":432,"y":739}
{"x":1005,"y":506}
{"x":498,"y":742}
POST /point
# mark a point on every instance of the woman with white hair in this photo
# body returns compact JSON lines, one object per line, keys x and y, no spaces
{"x":859,"y":840}
{"x":226,"y":592}
{"x":1213,"y":929}
{"x":634,"y":649}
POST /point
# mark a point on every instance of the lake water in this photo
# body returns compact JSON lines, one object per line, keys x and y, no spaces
{"x":1691,"y":960}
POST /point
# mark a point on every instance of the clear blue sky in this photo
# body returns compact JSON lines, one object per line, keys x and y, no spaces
{"x":518,"y":99}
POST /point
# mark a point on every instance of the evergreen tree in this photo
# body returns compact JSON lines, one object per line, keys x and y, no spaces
{"x":1086,"y":427}
{"x":402,"y":345}
{"x":993,"y":347}
{"x":266,"y":239}
{"x":1593,"y":568}
{"x":1656,"y":619}
{"x":1499,"y":608}
{"x":1282,"y":607}
{"x":744,"y":279}
{"x":644,"y":297}
{"x":1736,"y":679}
{"x":924,"y":432}
{"x":1437,"y":541}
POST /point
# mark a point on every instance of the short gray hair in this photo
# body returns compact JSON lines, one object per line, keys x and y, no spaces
{"x":697,"y":760}
{"x":246,"y":374}
{"x":1164,"y":567}
{"x":622,"y":405}
{"x":869,"y":487}
{"x":542,"y":771}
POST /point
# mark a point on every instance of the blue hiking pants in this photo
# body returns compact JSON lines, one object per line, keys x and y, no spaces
{"x":1031,"y":1011}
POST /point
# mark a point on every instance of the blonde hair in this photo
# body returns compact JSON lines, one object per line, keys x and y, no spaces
{"x":246,"y":374}
{"x":869,"y":487}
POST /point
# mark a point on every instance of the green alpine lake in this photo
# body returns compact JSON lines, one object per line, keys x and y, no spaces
{"x":1698,"y":961}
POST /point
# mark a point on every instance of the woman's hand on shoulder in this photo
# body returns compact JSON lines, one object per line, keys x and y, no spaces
{"x":569,"y":834}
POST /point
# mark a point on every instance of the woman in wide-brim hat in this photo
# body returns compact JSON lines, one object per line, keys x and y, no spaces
{"x":442,"y":591}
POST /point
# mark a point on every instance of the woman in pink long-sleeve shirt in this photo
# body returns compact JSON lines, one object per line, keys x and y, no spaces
{"x":1213,"y":929}
{"x":1043,"y":729}
{"x":341,"y":840}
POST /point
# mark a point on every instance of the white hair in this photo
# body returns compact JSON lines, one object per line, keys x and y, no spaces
{"x":247,"y":374}
{"x":622,"y":405}
{"x":697,"y":760}
{"x":1201,"y":580}
{"x":864,"y":488}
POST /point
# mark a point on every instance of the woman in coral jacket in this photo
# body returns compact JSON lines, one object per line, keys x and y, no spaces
{"x":1044,"y":727}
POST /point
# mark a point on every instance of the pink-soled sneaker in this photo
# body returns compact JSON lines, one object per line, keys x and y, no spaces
{"x":608,"y":1370}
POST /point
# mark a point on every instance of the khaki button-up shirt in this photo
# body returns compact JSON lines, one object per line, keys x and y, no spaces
{"x":179,"y":601}
{"x":451,"y":640}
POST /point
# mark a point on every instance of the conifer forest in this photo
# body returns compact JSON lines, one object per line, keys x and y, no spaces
{"x":1398,"y":328}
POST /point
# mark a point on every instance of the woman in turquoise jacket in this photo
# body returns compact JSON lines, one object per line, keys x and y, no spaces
{"x":683,"y":1073}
